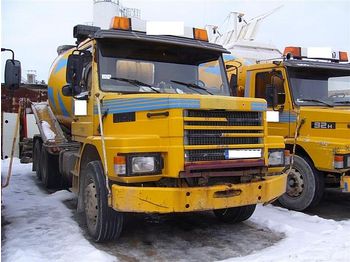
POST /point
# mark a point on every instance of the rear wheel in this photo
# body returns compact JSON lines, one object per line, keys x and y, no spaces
{"x":305,"y":186}
{"x":49,"y":171}
{"x":36,"y":158}
{"x":103,"y":223}
{"x":235,"y":214}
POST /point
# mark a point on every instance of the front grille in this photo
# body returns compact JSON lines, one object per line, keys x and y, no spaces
{"x":217,"y":138}
{"x":204,"y":155}
{"x":215,"y":128}
{"x":232,"y":118}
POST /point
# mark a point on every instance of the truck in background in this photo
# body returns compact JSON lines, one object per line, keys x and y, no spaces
{"x":308,"y":99}
{"x":146,"y":123}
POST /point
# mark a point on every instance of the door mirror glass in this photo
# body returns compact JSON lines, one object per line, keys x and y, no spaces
{"x":12,"y":74}
{"x":271,"y":95}
{"x":278,"y":82}
{"x":281,"y":98}
{"x":74,"y":69}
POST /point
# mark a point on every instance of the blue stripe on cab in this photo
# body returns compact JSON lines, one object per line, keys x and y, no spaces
{"x":255,"y":106}
{"x":285,"y":117}
{"x":142,"y":104}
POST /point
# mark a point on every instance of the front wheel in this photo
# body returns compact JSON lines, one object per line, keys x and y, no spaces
{"x":305,"y":186}
{"x":235,"y":214}
{"x":103,"y":223}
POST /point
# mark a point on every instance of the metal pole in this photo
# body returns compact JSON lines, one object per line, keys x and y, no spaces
{"x":9,"y":173}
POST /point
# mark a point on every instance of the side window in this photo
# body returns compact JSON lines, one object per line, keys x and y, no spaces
{"x":264,"y":80}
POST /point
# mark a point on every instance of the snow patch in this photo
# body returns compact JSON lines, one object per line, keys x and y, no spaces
{"x":308,"y":238}
{"x":40,"y":226}
{"x":49,"y":134}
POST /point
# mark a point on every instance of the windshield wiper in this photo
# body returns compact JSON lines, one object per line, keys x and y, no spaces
{"x":135,"y":83}
{"x":314,"y":100}
{"x":191,"y":85}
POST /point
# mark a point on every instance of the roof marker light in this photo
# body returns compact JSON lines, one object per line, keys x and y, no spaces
{"x":343,"y":56}
{"x":200,"y":34}
{"x":122,"y":23}
{"x":293,"y":51}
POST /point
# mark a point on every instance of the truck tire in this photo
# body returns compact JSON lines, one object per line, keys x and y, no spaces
{"x":305,"y":186}
{"x":103,"y":223}
{"x":48,"y":166}
{"x":235,"y":214}
{"x":36,"y":158}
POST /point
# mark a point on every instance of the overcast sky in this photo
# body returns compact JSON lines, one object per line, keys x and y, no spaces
{"x":34,"y":29}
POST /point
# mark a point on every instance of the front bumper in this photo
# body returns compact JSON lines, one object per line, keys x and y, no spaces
{"x":171,"y":200}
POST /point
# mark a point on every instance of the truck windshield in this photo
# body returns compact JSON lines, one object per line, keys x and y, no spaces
{"x":144,"y":67}
{"x":320,"y":86}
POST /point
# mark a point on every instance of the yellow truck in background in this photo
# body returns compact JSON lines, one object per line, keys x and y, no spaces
{"x":145,"y":123}
{"x":308,"y":99}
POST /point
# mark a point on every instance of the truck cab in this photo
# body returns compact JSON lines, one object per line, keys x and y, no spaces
{"x":308,"y":100}
{"x":148,"y":125}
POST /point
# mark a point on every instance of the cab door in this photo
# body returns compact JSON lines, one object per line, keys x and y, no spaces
{"x":279,"y":116}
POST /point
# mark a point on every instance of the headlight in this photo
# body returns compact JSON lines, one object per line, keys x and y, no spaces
{"x":138,"y":164}
{"x":276,"y":157}
{"x":142,"y":164}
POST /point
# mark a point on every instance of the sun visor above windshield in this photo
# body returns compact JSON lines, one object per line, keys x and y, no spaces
{"x":141,"y":71}
{"x":166,"y":39}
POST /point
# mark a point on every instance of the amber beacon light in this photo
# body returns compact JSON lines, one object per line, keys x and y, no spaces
{"x":122,"y":23}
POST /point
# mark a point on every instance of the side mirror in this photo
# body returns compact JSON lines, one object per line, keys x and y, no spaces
{"x":274,"y":98}
{"x":74,"y":71}
{"x":67,"y":90}
{"x":12,"y":74}
{"x":233,"y":85}
{"x":271,"y":95}
{"x":75,"y":65}
{"x":281,"y":98}
{"x":71,"y":90}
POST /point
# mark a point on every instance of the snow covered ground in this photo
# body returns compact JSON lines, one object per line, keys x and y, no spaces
{"x":44,"y":227}
{"x":40,"y":226}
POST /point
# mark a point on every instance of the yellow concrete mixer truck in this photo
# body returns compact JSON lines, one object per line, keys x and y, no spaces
{"x":308,"y":100}
{"x":145,"y":123}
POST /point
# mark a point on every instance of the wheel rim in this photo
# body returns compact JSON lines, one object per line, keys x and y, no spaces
{"x":91,"y":206}
{"x":295,"y":183}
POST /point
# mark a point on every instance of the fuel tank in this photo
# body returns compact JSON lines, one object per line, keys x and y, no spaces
{"x":62,"y":106}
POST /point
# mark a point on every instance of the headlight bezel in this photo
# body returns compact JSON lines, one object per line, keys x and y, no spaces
{"x":158,"y":164}
{"x":274,"y":151}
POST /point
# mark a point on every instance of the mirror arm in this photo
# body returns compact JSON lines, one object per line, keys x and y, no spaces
{"x":10,"y":50}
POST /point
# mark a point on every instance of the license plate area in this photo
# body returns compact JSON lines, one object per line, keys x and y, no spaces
{"x":242,"y":153}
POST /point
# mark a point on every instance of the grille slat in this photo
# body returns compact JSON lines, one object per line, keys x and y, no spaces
{"x":207,"y":131}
